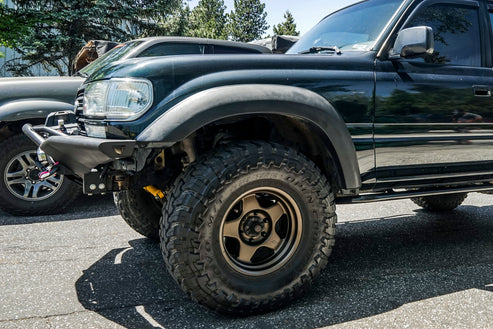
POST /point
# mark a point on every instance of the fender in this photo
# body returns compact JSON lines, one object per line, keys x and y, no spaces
{"x":218,"y":103}
{"x":31,"y":109}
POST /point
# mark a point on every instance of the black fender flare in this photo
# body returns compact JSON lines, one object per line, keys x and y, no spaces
{"x":218,"y":103}
{"x":26,"y":109}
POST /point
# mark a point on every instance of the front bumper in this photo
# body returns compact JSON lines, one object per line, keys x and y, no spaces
{"x":79,"y":154}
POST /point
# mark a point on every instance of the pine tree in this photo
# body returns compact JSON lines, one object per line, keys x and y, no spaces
{"x":177,"y":23}
{"x":288,"y":27}
{"x":208,"y":20}
{"x":51,"y":32}
{"x":247,"y":22}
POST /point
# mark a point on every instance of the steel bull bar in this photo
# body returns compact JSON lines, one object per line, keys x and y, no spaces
{"x":80,"y":155}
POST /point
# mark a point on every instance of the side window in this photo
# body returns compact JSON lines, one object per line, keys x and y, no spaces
{"x":169,"y":49}
{"x":456,"y":31}
{"x":233,"y":50}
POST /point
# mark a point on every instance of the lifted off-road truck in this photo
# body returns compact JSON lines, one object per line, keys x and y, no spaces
{"x":236,"y":163}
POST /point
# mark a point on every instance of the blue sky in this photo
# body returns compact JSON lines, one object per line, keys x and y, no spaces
{"x":306,"y":13}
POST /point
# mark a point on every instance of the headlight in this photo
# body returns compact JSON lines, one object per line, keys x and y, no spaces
{"x":117,"y":99}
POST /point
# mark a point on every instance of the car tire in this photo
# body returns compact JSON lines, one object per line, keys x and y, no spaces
{"x":21,"y":191}
{"x":248,"y":228}
{"x":140,"y":211}
{"x":440,"y":202}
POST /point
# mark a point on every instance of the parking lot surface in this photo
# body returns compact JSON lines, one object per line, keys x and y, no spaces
{"x":393,"y":266}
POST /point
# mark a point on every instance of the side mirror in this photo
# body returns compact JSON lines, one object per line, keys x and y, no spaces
{"x":413,"y":42}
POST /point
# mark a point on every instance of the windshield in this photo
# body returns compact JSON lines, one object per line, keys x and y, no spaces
{"x":354,"y":28}
{"x":113,"y":55}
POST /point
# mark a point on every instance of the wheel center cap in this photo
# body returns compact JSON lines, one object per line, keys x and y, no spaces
{"x":255,"y":228}
{"x":33,"y":174}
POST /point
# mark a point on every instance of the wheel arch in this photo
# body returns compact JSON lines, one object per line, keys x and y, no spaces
{"x":26,"y":109}
{"x":10,"y":128}
{"x":309,"y":122}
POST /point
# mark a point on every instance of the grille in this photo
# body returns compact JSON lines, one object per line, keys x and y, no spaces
{"x":79,"y":102}
{"x":79,"y":111}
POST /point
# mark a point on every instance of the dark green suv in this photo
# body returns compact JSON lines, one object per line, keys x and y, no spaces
{"x":235,"y":164}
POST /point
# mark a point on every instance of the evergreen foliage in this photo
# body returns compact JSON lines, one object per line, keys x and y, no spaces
{"x":247,"y":22}
{"x":51,"y":32}
{"x":177,"y":23}
{"x":288,"y":27}
{"x":208,"y":20}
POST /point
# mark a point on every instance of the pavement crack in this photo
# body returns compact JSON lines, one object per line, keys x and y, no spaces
{"x":46,"y":317}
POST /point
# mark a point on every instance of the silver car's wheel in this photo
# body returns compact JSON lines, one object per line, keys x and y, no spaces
{"x":21,"y":191}
{"x":22,"y":178}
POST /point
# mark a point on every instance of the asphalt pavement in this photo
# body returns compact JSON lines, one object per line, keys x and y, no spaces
{"x":393,"y":266}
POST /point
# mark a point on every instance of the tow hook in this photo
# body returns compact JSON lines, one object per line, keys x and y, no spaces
{"x":157,"y":193}
{"x":47,"y":165}
{"x":49,"y":171}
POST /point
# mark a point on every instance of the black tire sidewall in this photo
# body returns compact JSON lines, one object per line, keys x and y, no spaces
{"x":139,"y":211}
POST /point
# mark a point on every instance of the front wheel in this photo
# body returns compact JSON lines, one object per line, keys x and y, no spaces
{"x":22,"y":193}
{"x":248,"y":228}
{"x":140,"y":211}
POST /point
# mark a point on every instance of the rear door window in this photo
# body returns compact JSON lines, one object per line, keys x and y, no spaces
{"x":169,"y":49}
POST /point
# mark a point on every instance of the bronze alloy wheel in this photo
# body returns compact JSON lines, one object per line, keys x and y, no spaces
{"x":260,"y":231}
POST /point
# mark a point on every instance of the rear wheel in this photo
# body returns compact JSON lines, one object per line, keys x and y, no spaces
{"x":440,"y":202}
{"x":248,"y":228}
{"x":140,"y":211}
{"x":22,"y":193}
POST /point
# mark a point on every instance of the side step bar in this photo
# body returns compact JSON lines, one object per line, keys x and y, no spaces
{"x":393,"y":195}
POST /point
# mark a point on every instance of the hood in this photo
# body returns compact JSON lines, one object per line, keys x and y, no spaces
{"x":197,"y":65}
{"x":46,"y":88}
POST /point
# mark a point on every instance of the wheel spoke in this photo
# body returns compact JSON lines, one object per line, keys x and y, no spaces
{"x":16,"y":174}
{"x":27,"y":188}
{"x":52,"y":182}
{"x":275,"y":212}
{"x":20,"y":180}
{"x":250,"y":203}
{"x":23,"y":163}
{"x":273,"y":241}
{"x":48,"y":185}
{"x":231,"y":228}
{"x":55,"y":179}
{"x":30,"y":160}
{"x":247,"y":252}
{"x":36,"y":188}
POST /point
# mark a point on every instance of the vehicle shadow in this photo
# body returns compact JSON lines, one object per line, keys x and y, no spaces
{"x":377,"y":266}
{"x":82,"y":208}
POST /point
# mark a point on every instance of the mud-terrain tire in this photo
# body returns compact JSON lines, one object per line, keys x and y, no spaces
{"x":248,"y":228}
{"x":21,"y":191}
{"x":140,"y":211}
{"x":440,"y":202}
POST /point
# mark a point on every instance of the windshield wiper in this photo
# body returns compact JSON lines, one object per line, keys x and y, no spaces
{"x":314,"y":50}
